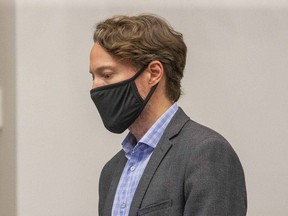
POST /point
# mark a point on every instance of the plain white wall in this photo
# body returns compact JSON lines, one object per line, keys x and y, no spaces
{"x":235,"y":82}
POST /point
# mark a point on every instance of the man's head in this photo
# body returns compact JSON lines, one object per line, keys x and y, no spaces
{"x":139,"y":40}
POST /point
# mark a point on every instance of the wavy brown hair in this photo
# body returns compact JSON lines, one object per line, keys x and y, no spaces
{"x":141,"y":39}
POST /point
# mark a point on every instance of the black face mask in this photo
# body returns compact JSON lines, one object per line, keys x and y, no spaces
{"x":120,"y":104}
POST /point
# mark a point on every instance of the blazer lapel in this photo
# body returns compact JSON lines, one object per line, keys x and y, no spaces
{"x":174,"y":127}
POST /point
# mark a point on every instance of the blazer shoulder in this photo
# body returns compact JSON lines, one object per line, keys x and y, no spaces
{"x":199,"y":132}
{"x":185,"y":128}
{"x":193,"y":136}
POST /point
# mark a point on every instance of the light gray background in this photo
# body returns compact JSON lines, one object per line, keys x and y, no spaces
{"x":53,"y":144}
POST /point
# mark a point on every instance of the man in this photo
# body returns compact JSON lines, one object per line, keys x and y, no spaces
{"x":169,"y":164}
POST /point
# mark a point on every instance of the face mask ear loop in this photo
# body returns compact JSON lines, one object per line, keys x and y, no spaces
{"x":147,"y":98}
{"x":153,"y":87}
{"x":150,"y":93}
{"x":139,"y":72}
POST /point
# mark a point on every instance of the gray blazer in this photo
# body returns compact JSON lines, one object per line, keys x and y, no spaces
{"x":193,"y":171}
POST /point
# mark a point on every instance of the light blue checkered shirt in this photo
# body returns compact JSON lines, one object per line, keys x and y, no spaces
{"x":138,"y":158}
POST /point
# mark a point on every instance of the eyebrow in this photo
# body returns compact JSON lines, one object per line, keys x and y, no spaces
{"x":100,"y":69}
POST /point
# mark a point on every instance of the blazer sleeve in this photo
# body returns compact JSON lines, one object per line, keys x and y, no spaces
{"x":214,"y":181}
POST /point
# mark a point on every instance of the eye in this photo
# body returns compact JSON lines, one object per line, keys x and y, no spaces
{"x":107,"y":76}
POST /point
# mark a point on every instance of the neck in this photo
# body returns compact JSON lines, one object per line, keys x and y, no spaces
{"x":149,"y":116}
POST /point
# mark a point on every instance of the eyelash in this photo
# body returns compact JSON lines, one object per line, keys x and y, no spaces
{"x":107,"y":75}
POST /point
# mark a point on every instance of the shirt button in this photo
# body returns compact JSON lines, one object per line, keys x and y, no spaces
{"x":123,"y":205}
{"x":132,"y":168}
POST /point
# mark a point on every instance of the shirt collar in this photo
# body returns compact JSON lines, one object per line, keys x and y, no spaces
{"x":153,"y":135}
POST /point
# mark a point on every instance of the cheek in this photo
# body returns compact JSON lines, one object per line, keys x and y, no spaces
{"x":97,"y":83}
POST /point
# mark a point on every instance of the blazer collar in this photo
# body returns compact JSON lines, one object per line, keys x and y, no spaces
{"x":164,"y":145}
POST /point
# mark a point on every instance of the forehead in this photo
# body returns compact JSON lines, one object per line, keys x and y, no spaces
{"x":99,"y":57}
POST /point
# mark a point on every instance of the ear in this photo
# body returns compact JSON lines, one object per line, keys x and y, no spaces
{"x":156,"y":72}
